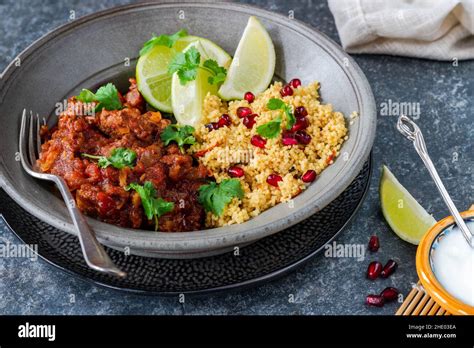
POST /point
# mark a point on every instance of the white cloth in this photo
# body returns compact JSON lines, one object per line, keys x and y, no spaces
{"x":434,"y":29}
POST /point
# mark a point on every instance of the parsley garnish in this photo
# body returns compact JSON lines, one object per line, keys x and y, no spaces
{"x":106,"y":96}
{"x":278,"y":104}
{"x":162,"y":40}
{"x":214,"y":197}
{"x":270,"y":129}
{"x":119,"y":158}
{"x":153,"y":207}
{"x":182,"y":135}
{"x":186,"y":65}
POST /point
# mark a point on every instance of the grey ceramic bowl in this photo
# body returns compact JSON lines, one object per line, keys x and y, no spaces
{"x":96,"y":48}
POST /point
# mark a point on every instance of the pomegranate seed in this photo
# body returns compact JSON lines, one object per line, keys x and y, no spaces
{"x":212,"y":126}
{"x":389,"y":268}
{"x":309,"y":176}
{"x":295,"y":83}
{"x":286,"y":90}
{"x":224,"y":120}
{"x":389,"y":294}
{"x":300,"y":111}
{"x":374,"y":243}
{"x":288,"y":139}
{"x":374,"y":270}
{"x":303,"y":137}
{"x":249,"y":121}
{"x":274,"y":179}
{"x":300,"y":124}
{"x":375,"y":300}
{"x":243,"y":111}
{"x":258,"y":141}
{"x":235,"y":172}
{"x":249,"y":96}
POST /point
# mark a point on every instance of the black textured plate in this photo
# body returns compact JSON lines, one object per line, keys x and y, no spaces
{"x":265,"y":259}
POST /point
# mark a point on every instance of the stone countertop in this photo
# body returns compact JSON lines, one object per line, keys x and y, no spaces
{"x":324,"y":285}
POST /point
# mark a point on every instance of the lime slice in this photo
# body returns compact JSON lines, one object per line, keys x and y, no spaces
{"x":187,"y":100}
{"x":407,"y":218}
{"x":254,"y":63}
{"x":153,"y":80}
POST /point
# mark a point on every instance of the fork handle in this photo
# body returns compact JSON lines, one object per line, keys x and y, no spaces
{"x":94,"y":254}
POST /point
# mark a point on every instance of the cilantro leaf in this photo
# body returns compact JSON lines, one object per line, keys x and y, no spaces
{"x":278,"y":104}
{"x":182,"y":135}
{"x":270,"y":129}
{"x":162,"y":40}
{"x":119,"y":158}
{"x":185,"y":64}
{"x":86,"y":96}
{"x":219,"y":73}
{"x":107,"y":97}
{"x":275,"y":104}
{"x":214,"y":197}
{"x":153,"y":207}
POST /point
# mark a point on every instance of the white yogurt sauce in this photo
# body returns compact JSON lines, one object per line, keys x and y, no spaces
{"x":453,"y":264}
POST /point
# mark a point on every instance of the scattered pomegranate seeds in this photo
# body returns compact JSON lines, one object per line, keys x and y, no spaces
{"x":235,"y":172}
{"x":389,"y":294}
{"x":258,"y":141}
{"x":309,"y":176}
{"x":224,"y":121}
{"x":249,"y":121}
{"x":389,"y":268}
{"x":295,"y":83}
{"x":300,"y":124}
{"x":300,"y":111}
{"x":274,"y":179}
{"x":243,"y":111}
{"x":375,"y":300}
{"x":249,"y":96}
{"x":212,"y":126}
{"x":374,"y":243}
{"x":286,"y":91}
{"x":374,"y":270}
{"x":288,"y":139}
{"x":303,"y":137}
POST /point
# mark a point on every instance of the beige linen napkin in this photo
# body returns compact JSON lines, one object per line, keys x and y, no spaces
{"x":434,"y":29}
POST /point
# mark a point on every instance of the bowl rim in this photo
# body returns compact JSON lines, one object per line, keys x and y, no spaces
{"x":427,"y":277}
{"x":228,"y":235}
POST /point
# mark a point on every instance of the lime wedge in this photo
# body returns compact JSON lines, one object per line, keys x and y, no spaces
{"x":407,"y":218}
{"x":253,"y":66}
{"x":153,"y":80}
{"x":187,"y":100}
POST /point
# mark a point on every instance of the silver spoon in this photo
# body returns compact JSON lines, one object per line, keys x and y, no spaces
{"x":411,"y":131}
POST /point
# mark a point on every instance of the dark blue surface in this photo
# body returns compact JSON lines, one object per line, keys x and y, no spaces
{"x":325,"y":285}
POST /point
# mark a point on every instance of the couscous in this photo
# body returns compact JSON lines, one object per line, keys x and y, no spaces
{"x":271,"y":170}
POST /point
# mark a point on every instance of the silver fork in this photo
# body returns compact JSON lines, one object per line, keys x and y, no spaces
{"x":30,"y":146}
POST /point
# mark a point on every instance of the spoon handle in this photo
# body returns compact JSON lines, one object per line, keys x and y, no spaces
{"x":412,"y":132}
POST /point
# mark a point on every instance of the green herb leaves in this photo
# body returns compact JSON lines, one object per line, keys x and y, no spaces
{"x":278,"y":104}
{"x":186,"y":65}
{"x":214,"y":197}
{"x":270,"y":129}
{"x":162,"y":40}
{"x":119,"y":158}
{"x":218,"y":73}
{"x":182,"y":135}
{"x":153,"y":207}
{"x":106,"y":96}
